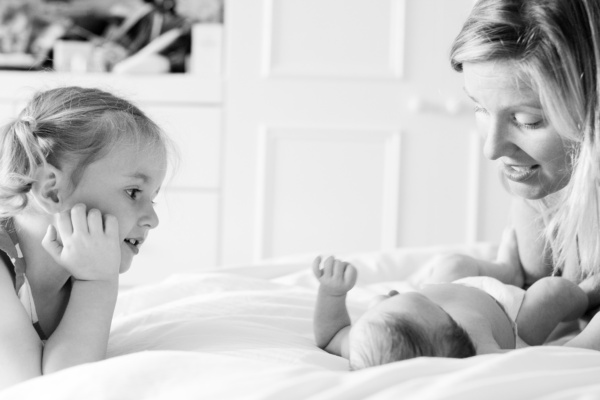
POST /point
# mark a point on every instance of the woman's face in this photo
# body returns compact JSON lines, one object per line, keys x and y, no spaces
{"x":530,"y":152}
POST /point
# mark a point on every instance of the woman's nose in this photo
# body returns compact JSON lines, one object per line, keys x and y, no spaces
{"x":497,"y":141}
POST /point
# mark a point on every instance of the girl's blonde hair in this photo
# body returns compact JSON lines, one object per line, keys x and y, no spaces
{"x":71,"y":125}
{"x":555,"y":44}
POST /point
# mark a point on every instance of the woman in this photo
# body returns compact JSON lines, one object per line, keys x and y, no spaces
{"x":532,"y":68}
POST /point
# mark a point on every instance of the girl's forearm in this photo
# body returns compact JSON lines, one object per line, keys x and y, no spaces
{"x":82,"y":335}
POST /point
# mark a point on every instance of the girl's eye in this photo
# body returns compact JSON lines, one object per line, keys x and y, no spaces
{"x":133,"y":193}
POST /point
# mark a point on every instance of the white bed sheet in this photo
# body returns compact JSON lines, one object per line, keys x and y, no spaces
{"x":247,"y":334}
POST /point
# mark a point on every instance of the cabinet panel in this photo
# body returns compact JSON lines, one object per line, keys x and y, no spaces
{"x":308,"y":197}
{"x":184,"y":241}
{"x":292,"y":49}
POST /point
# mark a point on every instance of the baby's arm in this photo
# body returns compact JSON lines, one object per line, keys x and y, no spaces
{"x":90,"y":251}
{"x":548,"y":302}
{"x":331,"y":319}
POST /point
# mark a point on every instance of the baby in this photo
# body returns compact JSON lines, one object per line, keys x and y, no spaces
{"x":475,"y":315}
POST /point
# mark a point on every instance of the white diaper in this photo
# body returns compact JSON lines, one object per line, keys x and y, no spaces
{"x":508,"y":296}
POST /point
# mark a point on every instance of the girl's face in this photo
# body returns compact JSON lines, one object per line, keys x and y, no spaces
{"x":124,"y":183}
{"x":530,"y":152}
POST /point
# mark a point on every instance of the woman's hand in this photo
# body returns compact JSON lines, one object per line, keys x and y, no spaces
{"x":89,"y":246}
{"x":508,"y":258}
{"x":336,"y":278}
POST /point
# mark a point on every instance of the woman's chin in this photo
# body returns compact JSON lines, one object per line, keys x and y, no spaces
{"x":528,"y":191}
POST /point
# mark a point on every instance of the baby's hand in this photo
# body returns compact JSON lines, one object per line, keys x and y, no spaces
{"x":337,"y":277}
{"x":89,"y":248}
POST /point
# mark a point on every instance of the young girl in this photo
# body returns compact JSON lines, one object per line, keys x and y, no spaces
{"x":79,"y":169}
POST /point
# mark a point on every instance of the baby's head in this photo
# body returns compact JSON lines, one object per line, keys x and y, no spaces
{"x":406,"y":326}
{"x":69,"y":128}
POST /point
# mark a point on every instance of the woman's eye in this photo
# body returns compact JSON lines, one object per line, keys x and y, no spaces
{"x":480,"y":110}
{"x":528,"y":121}
{"x":133,"y":193}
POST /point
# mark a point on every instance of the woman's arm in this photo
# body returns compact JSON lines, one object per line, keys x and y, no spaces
{"x":534,"y":255}
{"x":506,"y":268}
{"x":522,"y":255}
{"x":589,"y":338}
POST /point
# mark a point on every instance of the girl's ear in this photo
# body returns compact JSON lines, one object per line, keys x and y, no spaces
{"x":49,"y":188}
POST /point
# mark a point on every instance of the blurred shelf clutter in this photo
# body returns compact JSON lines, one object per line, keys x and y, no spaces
{"x":116,"y":36}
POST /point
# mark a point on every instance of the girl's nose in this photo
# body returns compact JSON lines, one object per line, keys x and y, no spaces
{"x":149,"y":218}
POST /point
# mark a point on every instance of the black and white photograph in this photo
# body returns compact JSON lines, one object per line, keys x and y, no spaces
{"x":299,"y":199}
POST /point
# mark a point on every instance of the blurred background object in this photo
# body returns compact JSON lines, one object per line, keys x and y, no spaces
{"x":102,"y":36}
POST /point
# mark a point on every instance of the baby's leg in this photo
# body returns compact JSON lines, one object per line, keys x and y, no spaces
{"x":548,"y":302}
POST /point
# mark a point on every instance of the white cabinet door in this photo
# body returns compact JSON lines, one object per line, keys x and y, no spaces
{"x":346,"y":130}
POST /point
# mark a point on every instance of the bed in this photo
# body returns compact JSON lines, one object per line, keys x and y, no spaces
{"x":246,"y":333}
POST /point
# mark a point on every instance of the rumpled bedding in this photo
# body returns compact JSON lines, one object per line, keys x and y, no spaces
{"x":246,"y":333}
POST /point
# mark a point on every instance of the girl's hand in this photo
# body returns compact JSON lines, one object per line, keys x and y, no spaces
{"x":89,"y":248}
{"x":336,"y":278}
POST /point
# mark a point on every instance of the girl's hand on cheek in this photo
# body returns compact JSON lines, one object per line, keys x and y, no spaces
{"x":90,"y":248}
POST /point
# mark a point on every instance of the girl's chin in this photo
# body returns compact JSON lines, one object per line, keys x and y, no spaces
{"x":125,"y":265}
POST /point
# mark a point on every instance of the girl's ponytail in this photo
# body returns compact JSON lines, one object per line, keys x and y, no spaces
{"x":20,"y":154}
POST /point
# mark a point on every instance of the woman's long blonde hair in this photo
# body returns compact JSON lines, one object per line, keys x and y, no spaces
{"x":556,"y":45}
